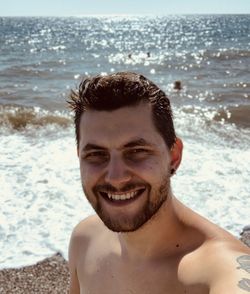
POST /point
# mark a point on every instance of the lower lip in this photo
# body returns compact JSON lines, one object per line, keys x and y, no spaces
{"x":122,"y":202}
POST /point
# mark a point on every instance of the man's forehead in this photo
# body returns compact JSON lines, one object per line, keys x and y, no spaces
{"x":119,"y":127}
{"x":137,"y":115}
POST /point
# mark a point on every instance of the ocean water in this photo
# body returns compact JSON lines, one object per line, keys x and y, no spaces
{"x":41,"y":59}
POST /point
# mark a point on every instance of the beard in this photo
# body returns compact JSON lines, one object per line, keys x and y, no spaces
{"x":124,"y":222}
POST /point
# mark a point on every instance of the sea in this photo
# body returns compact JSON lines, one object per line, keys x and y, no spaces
{"x":43,"y":58}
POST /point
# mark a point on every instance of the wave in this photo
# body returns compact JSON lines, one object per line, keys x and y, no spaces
{"x":16,"y":71}
{"x":238,"y":115}
{"x":17,"y":117}
{"x":222,"y":54}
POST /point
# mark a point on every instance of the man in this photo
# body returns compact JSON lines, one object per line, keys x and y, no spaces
{"x":142,"y":240}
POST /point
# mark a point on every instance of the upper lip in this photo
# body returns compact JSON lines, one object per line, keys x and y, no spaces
{"x":122,"y":192}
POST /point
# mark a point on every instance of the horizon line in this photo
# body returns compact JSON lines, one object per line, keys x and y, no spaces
{"x":128,"y":14}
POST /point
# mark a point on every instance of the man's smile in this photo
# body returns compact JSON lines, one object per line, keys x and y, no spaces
{"x":121,"y":197}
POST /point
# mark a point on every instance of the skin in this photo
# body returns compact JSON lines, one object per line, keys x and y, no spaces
{"x":176,"y":250}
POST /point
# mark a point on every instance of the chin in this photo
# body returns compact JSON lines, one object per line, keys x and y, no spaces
{"x":125,"y":224}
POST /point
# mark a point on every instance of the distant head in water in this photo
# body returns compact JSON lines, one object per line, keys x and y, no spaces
{"x":177,"y":85}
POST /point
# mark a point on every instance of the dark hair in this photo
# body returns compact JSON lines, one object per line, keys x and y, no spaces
{"x":121,"y":89}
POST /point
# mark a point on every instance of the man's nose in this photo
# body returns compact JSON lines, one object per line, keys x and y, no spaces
{"x":117,"y":173}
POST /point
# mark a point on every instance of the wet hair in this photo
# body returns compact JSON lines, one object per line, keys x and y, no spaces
{"x":122,"y":89}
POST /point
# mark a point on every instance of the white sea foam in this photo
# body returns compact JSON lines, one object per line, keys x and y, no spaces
{"x":41,"y":198}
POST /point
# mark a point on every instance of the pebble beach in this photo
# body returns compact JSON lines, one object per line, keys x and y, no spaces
{"x":48,"y":276}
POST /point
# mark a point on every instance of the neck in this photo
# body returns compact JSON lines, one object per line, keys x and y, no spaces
{"x":161,"y":234}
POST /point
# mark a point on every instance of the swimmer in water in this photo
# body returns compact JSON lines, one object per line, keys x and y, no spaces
{"x":177,"y":85}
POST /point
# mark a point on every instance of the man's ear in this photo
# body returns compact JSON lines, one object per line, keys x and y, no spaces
{"x":176,"y":154}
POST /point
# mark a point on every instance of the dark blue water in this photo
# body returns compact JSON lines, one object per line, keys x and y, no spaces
{"x":41,"y":57}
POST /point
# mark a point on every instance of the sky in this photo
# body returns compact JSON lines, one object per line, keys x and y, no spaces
{"x":83,"y":7}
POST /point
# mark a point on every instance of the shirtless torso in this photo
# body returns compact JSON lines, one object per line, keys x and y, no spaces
{"x":211,"y":263}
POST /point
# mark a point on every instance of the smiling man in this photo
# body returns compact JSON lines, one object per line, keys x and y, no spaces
{"x":142,"y":240}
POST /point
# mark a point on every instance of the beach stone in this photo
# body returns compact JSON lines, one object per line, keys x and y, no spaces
{"x":246,"y":228}
{"x":48,"y":276}
{"x":245,"y":235}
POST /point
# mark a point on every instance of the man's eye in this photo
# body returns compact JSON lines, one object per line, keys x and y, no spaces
{"x":137,"y":151}
{"x":137,"y":154}
{"x":96,"y":157}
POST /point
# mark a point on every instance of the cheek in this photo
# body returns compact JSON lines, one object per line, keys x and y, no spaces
{"x":88,"y":182}
{"x":151,"y":170}
{"x":89,"y":174}
{"x":156,"y":165}
{"x":85,"y":178}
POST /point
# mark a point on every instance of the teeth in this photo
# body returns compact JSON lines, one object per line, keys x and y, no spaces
{"x":125,"y":196}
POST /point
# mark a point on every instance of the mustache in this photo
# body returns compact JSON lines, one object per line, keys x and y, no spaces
{"x":110,"y":189}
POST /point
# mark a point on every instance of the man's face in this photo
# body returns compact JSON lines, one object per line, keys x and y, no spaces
{"x":125,"y":166}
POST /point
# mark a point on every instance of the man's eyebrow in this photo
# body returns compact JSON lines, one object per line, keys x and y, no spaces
{"x":137,"y":142}
{"x":90,"y":146}
{"x":131,"y":144}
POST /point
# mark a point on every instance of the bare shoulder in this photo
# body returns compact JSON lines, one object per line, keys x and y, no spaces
{"x":87,"y":228}
{"x":83,"y":234}
{"x":228,"y":267}
{"x":224,"y":265}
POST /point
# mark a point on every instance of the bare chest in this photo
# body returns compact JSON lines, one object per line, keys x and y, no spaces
{"x":108,"y":279}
